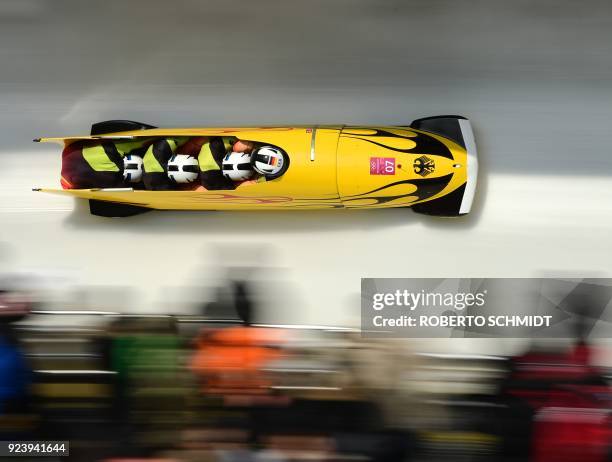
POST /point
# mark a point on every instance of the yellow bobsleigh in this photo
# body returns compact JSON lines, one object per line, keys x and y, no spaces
{"x":430,"y":166}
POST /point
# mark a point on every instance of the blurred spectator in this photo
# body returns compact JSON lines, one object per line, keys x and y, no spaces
{"x":145,"y":352}
{"x":539,"y":381}
{"x":15,"y":373}
{"x":230,"y":360}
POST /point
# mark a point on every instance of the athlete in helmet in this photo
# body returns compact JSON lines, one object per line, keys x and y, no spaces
{"x":103,"y":164}
{"x":132,"y":168}
{"x":270,"y":161}
{"x":183,"y":169}
{"x":155,"y":176}
{"x":237,"y":166}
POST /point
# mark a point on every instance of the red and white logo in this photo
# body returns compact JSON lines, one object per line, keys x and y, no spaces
{"x":382,"y":166}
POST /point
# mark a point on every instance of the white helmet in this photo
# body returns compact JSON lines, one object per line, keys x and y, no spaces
{"x":132,"y":168}
{"x":183,"y":168}
{"x":237,"y":166}
{"x":270,"y":161}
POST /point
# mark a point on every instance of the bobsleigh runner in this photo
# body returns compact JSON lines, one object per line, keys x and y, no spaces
{"x":430,"y":166}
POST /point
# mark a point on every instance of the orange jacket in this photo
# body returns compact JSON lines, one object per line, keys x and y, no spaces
{"x":231,"y":359}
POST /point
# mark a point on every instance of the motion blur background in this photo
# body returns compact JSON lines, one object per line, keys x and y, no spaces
{"x":533,"y":77}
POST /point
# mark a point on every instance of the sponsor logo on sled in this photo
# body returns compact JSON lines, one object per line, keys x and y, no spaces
{"x":382,"y":166}
{"x":424,"y":166}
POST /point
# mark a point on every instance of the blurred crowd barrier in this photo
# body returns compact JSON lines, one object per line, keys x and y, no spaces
{"x":220,"y":387}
